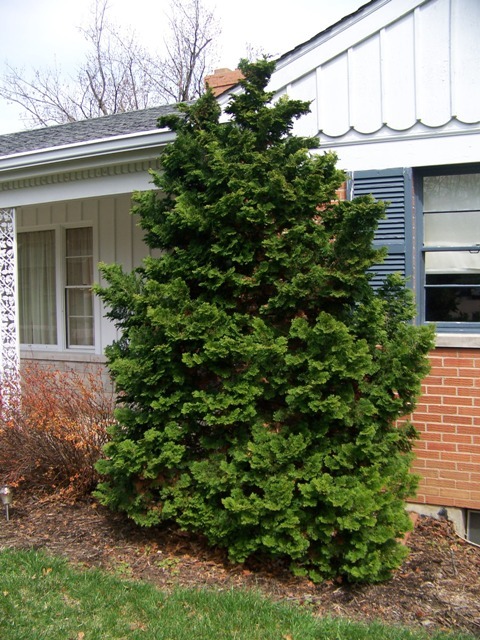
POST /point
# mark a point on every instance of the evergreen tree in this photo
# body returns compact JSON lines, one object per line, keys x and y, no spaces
{"x":261,"y":377}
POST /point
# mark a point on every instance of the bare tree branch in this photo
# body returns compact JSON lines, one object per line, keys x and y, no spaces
{"x":118,"y":74}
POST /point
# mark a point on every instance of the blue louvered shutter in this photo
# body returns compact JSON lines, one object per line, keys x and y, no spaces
{"x":394,"y":231}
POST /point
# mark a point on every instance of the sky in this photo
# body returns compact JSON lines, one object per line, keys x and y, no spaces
{"x":38,"y":33}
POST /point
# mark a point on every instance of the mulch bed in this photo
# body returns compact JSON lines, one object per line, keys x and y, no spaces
{"x":438,"y":586}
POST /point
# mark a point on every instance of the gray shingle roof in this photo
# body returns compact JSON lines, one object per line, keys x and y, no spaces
{"x":83,"y":130}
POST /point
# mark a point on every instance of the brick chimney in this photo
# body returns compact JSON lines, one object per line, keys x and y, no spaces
{"x":222,"y":79}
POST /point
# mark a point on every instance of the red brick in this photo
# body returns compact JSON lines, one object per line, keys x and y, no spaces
{"x":460,"y":421}
{"x":440,"y":428}
{"x":467,"y":466}
{"x":445,"y":465}
{"x":472,"y":392}
{"x":461,"y":476}
{"x":449,"y":375}
{"x":469,"y":411}
{"x":432,"y":455}
{"x":455,"y":457}
{"x":459,"y":382}
{"x":466,"y":485}
{"x":458,"y":362}
{"x":426,"y":417}
{"x":445,"y":409}
{"x":433,"y":473}
{"x":459,"y":494}
{"x":440,"y":390}
{"x":441,"y":446}
{"x":461,"y":401}
{"x":433,"y":436}
{"x":468,"y":372}
{"x":472,"y":430}
{"x":466,"y":448}
{"x":457,"y":438}
{"x":441,"y":483}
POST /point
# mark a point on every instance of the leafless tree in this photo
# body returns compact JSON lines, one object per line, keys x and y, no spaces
{"x":189,"y":50}
{"x":118,"y":74}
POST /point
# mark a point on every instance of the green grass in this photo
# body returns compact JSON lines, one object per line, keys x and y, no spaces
{"x":43,"y":597}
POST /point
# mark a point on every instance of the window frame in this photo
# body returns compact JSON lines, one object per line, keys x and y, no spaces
{"x":60,"y":234}
{"x":442,"y":327}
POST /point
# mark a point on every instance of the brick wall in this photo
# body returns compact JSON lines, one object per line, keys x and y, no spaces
{"x":448,"y":418}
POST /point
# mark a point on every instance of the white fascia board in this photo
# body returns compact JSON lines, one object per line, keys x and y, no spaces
{"x":460,"y":147}
{"x":93,"y":151}
{"x":338,"y":39}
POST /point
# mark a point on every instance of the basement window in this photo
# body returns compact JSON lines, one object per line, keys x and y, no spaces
{"x":473,"y":526}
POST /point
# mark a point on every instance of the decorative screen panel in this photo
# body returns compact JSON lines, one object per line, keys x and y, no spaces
{"x":9,"y":353}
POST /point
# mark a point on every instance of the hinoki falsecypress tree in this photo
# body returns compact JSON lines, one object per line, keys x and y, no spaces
{"x":261,"y":376}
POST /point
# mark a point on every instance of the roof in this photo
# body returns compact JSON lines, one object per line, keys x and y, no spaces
{"x":102,"y":128}
{"x":333,"y":26}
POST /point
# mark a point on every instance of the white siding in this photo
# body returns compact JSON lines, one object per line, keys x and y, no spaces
{"x":403,"y":62}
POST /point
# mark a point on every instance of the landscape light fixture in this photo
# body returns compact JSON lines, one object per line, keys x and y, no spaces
{"x":6,"y":496}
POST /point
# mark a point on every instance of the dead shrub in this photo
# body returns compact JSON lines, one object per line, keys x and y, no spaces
{"x":52,"y":428}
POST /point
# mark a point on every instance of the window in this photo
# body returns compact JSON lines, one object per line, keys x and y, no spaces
{"x":36,"y":286}
{"x":451,"y":249}
{"x":78,"y":288}
{"x":473,"y":526}
{"x":55,"y":267}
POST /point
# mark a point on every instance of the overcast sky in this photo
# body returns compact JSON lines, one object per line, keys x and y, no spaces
{"x":35,"y":33}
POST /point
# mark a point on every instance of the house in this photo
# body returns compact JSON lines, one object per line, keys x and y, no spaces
{"x":395,"y":91}
{"x":65,"y":199}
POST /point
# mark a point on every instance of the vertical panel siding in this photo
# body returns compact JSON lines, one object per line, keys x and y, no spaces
{"x":333,"y":96}
{"x":465,"y":56}
{"x":306,"y":89}
{"x":366,"y":86}
{"x":432,"y":53}
{"x":398,"y":90}
{"x":420,"y":66}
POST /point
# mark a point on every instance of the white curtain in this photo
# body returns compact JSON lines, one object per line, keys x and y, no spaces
{"x":37,"y":287}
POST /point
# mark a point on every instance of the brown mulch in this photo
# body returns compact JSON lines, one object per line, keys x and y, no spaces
{"x":438,"y":586}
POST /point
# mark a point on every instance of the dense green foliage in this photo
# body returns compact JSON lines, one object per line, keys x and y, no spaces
{"x":260,"y":374}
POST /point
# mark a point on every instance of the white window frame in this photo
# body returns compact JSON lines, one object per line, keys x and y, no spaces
{"x":60,"y":288}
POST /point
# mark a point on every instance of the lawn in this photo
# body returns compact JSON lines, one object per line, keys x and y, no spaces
{"x":43,"y":597}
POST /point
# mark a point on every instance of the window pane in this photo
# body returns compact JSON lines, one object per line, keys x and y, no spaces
{"x":452,"y":262}
{"x":452,"y":228}
{"x":80,"y":332}
{"x":80,"y":317}
{"x":79,"y":242}
{"x":79,"y":271}
{"x":36,"y":287}
{"x":80,"y":302}
{"x":451,"y":193}
{"x":452,"y":304}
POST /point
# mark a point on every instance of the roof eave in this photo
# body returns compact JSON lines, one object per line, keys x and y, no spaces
{"x":87,"y":151}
